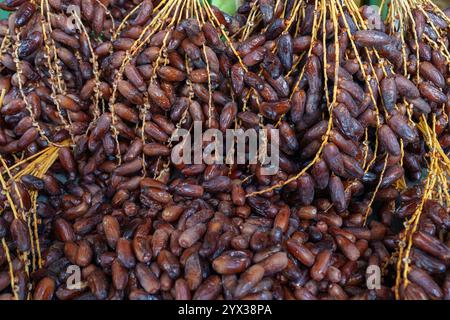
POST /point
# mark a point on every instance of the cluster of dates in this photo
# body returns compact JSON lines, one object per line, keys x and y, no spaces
{"x":107,"y":84}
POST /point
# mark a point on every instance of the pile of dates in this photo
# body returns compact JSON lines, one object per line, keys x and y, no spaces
{"x":93,"y":206}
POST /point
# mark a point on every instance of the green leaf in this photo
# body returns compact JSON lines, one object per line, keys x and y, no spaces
{"x":4,"y":14}
{"x":228,"y":6}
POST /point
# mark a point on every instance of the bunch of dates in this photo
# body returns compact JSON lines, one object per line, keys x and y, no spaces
{"x":93,"y":205}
